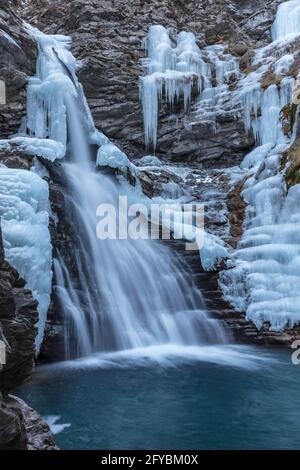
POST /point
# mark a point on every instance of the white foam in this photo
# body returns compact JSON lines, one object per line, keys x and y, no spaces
{"x":55,"y":427}
{"x":169,"y":355}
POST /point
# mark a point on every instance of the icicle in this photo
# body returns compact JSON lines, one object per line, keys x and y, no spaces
{"x":175,"y":69}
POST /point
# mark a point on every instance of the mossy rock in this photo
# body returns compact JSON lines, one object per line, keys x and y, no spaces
{"x":291,"y":161}
{"x":288,"y":117}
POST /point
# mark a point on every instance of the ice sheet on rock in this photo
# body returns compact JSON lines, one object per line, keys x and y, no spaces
{"x":284,"y":64}
{"x":257,"y":155}
{"x":39,"y":169}
{"x":215,"y":98}
{"x":149,"y":160}
{"x":212,"y":251}
{"x":98,"y":138}
{"x":24,"y":205}
{"x":110,"y":155}
{"x":46,"y":148}
{"x":9,"y":38}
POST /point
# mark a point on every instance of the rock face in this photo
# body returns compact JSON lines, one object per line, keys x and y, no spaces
{"x":18,"y":57}
{"x":20,"y":426}
{"x":18,"y":317}
{"x":108,"y":42}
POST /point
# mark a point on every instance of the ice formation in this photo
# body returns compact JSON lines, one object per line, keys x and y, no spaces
{"x":24,"y":194}
{"x":46,"y":95}
{"x":215,"y":99}
{"x":174,"y":70}
{"x":110,"y":155}
{"x":9,"y":38}
{"x":24,"y":205}
{"x":46,"y":148}
{"x":264,"y":279}
{"x":262,"y":108}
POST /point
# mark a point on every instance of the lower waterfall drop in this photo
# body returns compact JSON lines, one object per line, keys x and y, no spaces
{"x":136,"y":293}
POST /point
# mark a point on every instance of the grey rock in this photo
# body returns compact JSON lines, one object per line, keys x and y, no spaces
{"x":17,"y":63}
{"x":21,"y":428}
{"x":18,"y":318}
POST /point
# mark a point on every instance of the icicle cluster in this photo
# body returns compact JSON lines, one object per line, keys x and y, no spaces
{"x":173,"y":70}
{"x":55,"y":78}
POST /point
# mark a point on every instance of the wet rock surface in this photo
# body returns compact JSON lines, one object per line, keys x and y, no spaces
{"x":21,"y":428}
{"x":18,"y":317}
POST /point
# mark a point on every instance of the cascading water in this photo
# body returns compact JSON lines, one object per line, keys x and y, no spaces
{"x":130,"y":293}
{"x":287,"y":22}
{"x":136,"y":294}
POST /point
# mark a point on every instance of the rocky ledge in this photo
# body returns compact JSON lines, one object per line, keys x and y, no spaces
{"x":20,"y":426}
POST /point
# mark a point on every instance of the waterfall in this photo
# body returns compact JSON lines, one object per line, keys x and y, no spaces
{"x":129,"y":293}
{"x":136,"y":293}
{"x":287,"y":22}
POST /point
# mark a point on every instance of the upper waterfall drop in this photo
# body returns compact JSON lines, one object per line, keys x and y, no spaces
{"x":287,"y":21}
